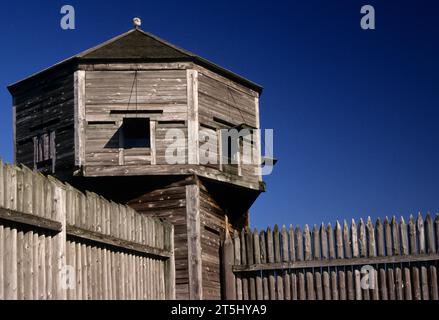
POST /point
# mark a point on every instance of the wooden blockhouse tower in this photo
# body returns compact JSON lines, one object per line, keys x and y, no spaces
{"x":99,"y":121}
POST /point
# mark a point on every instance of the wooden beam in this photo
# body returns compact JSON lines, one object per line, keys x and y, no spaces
{"x":30,"y":220}
{"x":153,"y":126}
{"x":73,"y":231}
{"x":79,"y":110}
{"x":194,"y":242}
{"x":337,"y":262}
{"x":193,"y":123}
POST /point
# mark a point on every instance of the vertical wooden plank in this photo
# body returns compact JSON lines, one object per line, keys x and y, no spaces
{"x":347,"y":241}
{"x":194,"y":241}
{"x":372,"y":252}
{"x":299,"y":244}
{"x":383,"y":283}
{"x":292,"y":246}
{"x":331,"y":245}
{"x":307,"y":243}
{"x":380,"y":238}
{"x":436,"y":228}
{"x":310,"y":285}
{"x":407,"y":282}
{"x":79,"y":117}
{"x":434,"y":292}
{"x":316,"y":243}
{"x":350,"y":283}
{"x":245,"y":282}
{"x":421,"y":234}
{"x":412,"y":236}
{"x":388,"y":236}
{"x":250,"y":261}
{"x":362,"y":239}
{"x":263,"y":248}
{"x":228,"y":260}
{"x":257,"y":250}
{"x":416,"y":283}
{"x":10,"y":263}
{"x":339,"y":241}
{"x":270,"y":255}
{"x":42,"y":268}
{"x":395,"y":237}
{"x":324,"y":242}
{"x":2,"y":186}
{"x":28,"y":264}
{"x":429,"y":232}
{"x":20,"y":189}
{"x":399,"y":283}
{"x":424,"y":282}
{"x":20,"y":265}
{"x":237,"y":248}
{"x":153,"y":128}
{"x":193,"y":123}
{"x":404,"y":237}
{"x":326,"y":284}
{"x":277,"y":257}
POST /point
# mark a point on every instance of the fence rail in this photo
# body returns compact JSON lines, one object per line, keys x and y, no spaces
{"x":393,"y":260}
{"x":58,"y":243}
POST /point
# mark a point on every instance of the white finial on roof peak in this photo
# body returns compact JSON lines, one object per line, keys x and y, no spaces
{"x":137,"y":22}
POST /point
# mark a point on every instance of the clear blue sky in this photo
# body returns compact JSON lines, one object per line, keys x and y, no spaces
{"x":355,"y":112}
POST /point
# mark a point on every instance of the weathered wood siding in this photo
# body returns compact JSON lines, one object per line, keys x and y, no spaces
{"x":389,"y":260}
{"x":59,"y":243}
{"x":160,"y":95}
{"x":223,"y":104}
{"x":46,"y":105}
{"x":170,"y":203}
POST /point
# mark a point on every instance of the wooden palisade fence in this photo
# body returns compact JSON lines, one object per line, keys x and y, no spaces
{"x":58,"y":243}
{"x":391,"y":260}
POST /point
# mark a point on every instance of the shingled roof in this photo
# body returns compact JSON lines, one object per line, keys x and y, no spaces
{"x":140,"y":46}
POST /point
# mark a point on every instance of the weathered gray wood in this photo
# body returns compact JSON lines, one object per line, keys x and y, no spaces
{"x":371,"y":238}
{"x":307,"y":243}
{"x":326,"y":285}
{"x":434,"y":291}
{"x":383,"y":284}
{"x":245,"y":283}
{"x":27,"y":219}
{"x":229,"y":277}
{"x":347,"y":240}
{"x":381,"y":249}
{"x":429,"y":233}
{"x":237,"y":248}
{"x":404,"y":237}
{"x":339,"y":240}
{"x":396,"y":237}
{"x":292,"y":245}
{"x":388,"y":236}
{"x":299,"y":244}
{"x":407,"y":283}
{"x":350,"y":283}
{"x":362,"y":239}
{"x":277,"y":259}
{"x":354,"y":237}
{"x":263,"y":247}
{"x":412,"y":236}
{"x":251,"y":260}
{"x":416,"y":283}
{"x":331,"y":245}
{"x":324,"y":242}
{"x":257,"y":251}
{"x":421,"y":234}
{"x":270,"y":255}
{"x":194,"y":242}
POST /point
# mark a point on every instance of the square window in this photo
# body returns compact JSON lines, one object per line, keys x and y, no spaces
{"x":136,"y":133}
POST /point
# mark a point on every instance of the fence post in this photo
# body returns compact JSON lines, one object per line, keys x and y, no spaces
{"x":170,"y":263}
{"x":229,"y":281}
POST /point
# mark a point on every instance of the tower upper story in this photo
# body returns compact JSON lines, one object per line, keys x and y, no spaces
{"x":137,"y":105}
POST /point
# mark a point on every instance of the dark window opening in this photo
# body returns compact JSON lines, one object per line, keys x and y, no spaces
{"x":45,"y":152}
{"x":136,"y":133}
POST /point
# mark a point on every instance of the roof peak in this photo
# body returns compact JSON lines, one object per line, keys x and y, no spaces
{"x":139,"y":45}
